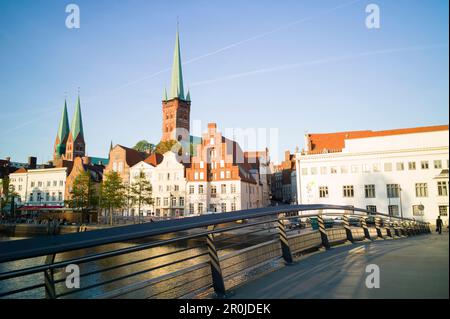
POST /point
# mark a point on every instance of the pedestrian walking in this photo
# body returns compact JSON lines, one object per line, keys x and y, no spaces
{"x":439,"y":225}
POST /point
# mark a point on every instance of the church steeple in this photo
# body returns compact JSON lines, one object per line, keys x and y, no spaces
{"x":77,"y":122}
{"x":76,"y":146}
{"x":176,"y":107}
{"x":62,"y":135}
{"x":177,"y":90}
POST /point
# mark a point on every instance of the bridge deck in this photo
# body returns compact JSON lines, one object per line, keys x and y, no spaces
{"x":416,"y":267}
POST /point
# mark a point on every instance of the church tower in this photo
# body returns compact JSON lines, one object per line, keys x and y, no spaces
{"x":176,"y":106}
{"x":63,"y":133}
{"x":76,"y":145}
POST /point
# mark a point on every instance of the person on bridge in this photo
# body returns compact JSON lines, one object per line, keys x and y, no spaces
{"x":439,"y":225}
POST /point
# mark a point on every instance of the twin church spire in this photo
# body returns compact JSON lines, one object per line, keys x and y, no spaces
{"x":69,"y":139}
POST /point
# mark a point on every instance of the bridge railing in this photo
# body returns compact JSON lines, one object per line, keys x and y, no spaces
{"x":184,"y":257}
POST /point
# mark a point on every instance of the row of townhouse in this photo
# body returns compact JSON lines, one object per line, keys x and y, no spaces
{"x":220,"y":177}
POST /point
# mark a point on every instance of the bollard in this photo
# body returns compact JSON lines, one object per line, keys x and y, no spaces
{"x":364,"y":226}
{"x":378,"y":227}
{"x":216,"y":271}
{"x":323,"y":232}
{"x":428,"y":228}
{"x":49,"y":281}
{"x":397,"y":230}
{"x":285,"y":249}
{"x":388,"y":230}
{"x":348,"y":230}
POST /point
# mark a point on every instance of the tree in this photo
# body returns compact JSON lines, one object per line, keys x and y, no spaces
{"x":83,"y":194}
{"x":166,"y":146}
{"x":8,"y":195}
{"x":141,"y":190}
{"x":144,"y":146}
{"x":113,"y":193}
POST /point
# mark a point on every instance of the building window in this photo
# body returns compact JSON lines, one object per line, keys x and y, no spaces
{"x":400,"y":166}
{"x":366,"y":168}
{"x":31,"y":197}
{"x":354,"y":168}
{"x":333,"y":169}
{"x":191,"y":208}
{"x":371,"y":208}
{"x":173,"y":201}
{"x":348,"y":191}
{"x":418,"y":210}
{"x":421,"y":190}
{"x":191,"y":189}
{"x":213,"y":190}
{"x":39,"y":184}
{"x":202,"y":176}
{"x":176,"y":188}
{"x":223,"y":207}
{"x":304,"y":171}
{"x":39,"y":198}
{"x":323,"y":170}
{"x":442,"y":188}
{"x":48,"y":183}
{"x":393,"y":210}
{"x":61,"y":183}
{"x":376,"y":168}
{"x":233,"y":207}
{"x":222,"y":175}
{"x":47,"y":197}
{"x":313,"y":170}
{"x":158,"y":201}
{"x":438,"y":164}
{"x":165,"y":201}
{"x":223,"y":188}
{"x":228,"y":174}
{"x":424,"y":164}
{"x":60,"y":196}
{"x":443,"y":210}
{"x":200,"y":189}
{"x":233,"y":188}
{"x":412,"y":166}
{"x":388,"y":167}
{"x":181,"y":201}
{"x":195,"y":175}
{"x":344,"y":169}
{"x":369,"y":190}
{"x":323,"y":191}
{"x":202,"y":164}
{"x":200,"y":208}
{"x":393,"y":190}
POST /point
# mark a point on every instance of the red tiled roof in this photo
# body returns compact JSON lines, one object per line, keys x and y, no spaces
{"x":336,"y":141}
{"x":21,"y":170}
{"x":154,"y":159}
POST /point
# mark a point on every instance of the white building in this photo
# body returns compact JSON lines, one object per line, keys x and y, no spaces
{"x":402,"y":172}
{"x":37,"y":187}
{"x":147,"y":168}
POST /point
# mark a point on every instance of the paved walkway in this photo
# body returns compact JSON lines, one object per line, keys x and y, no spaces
{"x":416,"y":267}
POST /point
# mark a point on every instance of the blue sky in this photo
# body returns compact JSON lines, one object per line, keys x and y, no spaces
{"x":293,"y":65}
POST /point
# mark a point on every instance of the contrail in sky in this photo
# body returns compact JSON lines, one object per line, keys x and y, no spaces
{"x":320,"y":61}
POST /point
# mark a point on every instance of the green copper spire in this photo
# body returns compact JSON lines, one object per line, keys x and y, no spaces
{"x":177,"y":91}
{"x":188,"y":95}
{"x":77,"y":123}
{"x":63,"y":130}
{"x":165,"y":95}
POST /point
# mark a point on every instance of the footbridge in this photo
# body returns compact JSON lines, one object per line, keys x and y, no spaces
{"x":286,"y":251}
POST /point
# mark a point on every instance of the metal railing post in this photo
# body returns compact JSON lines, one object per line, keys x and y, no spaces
{"x":364,"y":226}
{"x":285,"y":249}
{"x":348,"y":230}
{"x":323,"y":232}
{"x":49,"y":281}
{"x":378,"y":227}
{"x":216,"y":270}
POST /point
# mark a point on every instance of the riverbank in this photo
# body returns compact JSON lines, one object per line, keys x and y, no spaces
{"x":31,"y":230}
